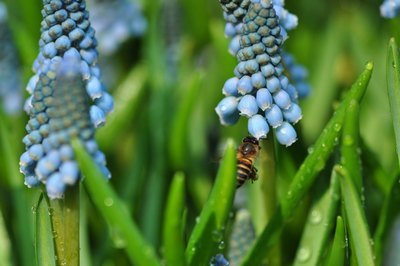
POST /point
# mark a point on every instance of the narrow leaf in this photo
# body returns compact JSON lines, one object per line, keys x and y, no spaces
{"x":14,"y":178}
{"x":5,"y":250}
{"x":208,"y":234}
{"x":336,"y":256}
{"x":388,"y":215}
{"x":45,"y":250}
{"x":355,"y":219}
{"x":174,"y":248}
{"x":393,"y":80}
{"x":319,"y":225}
{"x":350,"y":158}
{"x":308,"y":171}
{"x":113,"y":211}
{"x":178,"y":146}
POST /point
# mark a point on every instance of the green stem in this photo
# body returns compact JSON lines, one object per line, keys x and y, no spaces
{"x":65,"y":222}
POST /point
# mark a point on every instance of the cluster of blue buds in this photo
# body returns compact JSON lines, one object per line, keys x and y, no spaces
{"x":259,"y":90}
{"x":63,"y":90}
{"x":10,"y":74}
{"x":115,"y":21}
{"x":390,"y":8}
{"x":219,"y":260}
{"x":243,"y":236}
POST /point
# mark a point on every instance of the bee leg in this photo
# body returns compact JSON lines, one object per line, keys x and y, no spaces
{"x":253,"y":174}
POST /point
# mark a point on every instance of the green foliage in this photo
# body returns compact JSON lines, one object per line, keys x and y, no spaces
{"x":305,"y":176}
{"x":45,"y":251}
{"x":355,"y":219}
{"x":337,"y":253}
{"x":210,"y":225}
{"x":173,"y":244}
{"x":113,"y":211}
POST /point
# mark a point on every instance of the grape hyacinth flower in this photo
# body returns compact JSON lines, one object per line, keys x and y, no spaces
{"x":10,"y":74}
{"x":65,"y":84}
{"x":297,"y":74}
{"x":219,"y":260}
{"x":390,"y":8}
{"x":242,"y":237}
{"x":260,"y":91}
{"x":115,"y":21}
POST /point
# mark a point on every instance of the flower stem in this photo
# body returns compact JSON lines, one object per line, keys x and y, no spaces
{"x":65,"y":222}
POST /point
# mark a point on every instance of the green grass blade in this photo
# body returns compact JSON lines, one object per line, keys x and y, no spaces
{"x":308,"y":171}
{"x":393,"y":88}
{"x":113,"y":211}
{"x":5,"y":250}
{"x":178,"y":145}
{"x":128,"y":97}
{"x":85,"y":256}
{"x":44,"y":244}
{"x":207,"y":234}
{"x":336,"y":256}
{"x":319,"y":225}
{"x":350,"y":158}
{"x":388,"y":215}
{"x":22,"y":213}
{"x":355,"y":219}
{"x":174,"y":248}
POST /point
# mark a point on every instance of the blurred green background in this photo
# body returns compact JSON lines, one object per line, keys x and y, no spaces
{"x":166,"y":85}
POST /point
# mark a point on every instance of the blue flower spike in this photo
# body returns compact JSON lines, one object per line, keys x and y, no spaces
{"x":114,"y":28}
{"x":67,"y":99}
{"x":390,"y":8}
{"x":219,"y":260}
{"x":11,"y":99}
{"x":260,"y":90}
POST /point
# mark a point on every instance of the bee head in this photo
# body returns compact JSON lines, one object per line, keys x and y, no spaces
{"x":249,"y":146}
{"x":250,"y":139}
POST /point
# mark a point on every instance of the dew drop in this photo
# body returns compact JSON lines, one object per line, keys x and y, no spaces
{"x":304,"y":254}
{"x":34,"y":209}
{"x":310,"y":149}
{"x":108,"y":202}
{"x":197,"y":220}
{"x":336,"y":141}
{"x":118,"y":238}
{"x":221,"y":245}
{"x":320,"y":164}
{"x":371,"y":242}
{"x":337,"y":127}
{"x":217,"y":235}
{"x":315,"y":217}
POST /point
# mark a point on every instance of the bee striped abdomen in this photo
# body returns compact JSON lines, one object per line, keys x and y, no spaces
{"x":244,"y":169}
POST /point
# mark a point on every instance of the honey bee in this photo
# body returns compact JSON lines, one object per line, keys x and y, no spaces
{"x":246,"y":155}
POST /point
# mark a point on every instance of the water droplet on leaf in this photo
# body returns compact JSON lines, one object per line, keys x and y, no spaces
{"x":108,"y":202}
{"x":304,"y":254}
{"x":315,"y":217}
